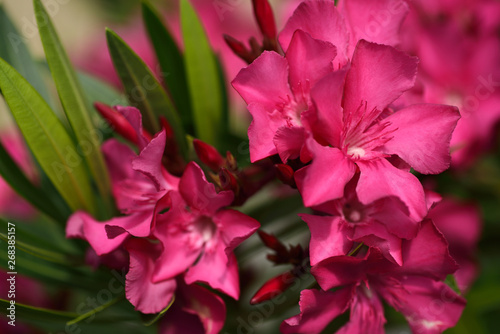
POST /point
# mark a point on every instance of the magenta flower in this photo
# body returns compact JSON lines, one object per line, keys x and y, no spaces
{"x":277,"y":91}
{"x":140,"y":184}
{"x":361,"y":131}
{"x":414,"y":289}
{"x":199,"y":234}
{"x":381,"y":224}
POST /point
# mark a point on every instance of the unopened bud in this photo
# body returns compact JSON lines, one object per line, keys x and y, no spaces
{"x":208,"y":155}
{"x":116,"y":120}
{"x":265,"y":18}
{"x":272,"y":288}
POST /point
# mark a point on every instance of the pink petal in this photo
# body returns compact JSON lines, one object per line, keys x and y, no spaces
{"x":262,"y":130}
{"x":391,"y":212}
{"x":134,"y":116}
{"x":380,"y":179}
{"x":367,"y":313}
{"x":138,"y":225}
{"x":289,"y":141}
{"x":328,"y":237}
{"x":317,"y":310}
{"x":422,"y":135}
{"x":209,"y":307}
{"x":83,"y":226}
{"x":199,"y":193}
{"x":427,"y":254}
{"x":325,"y":178}
{"x":218,"y":270}
{"x":309,"y":60}
{"x":429,"y":306}
{"x":265,"y":81}
{"x":327,"y":95}
{"x":375,"y":234}
{"x":322,"y":21}
{"x":149,"y":162}
{"x":234,"y":227}
{"x":118,"y":160}
{"x":379,"y":74}
{"x":340,"y":270}
{"x":376,"y":21}
{"x":177,"y":256}
{"x":146,"y":296}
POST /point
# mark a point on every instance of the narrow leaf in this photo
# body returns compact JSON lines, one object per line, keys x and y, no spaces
{"x":13,"y":175}
{"x":171,"y":61}
{"x":143,"y":89}
{"x":37,"y":313}
{"x":203,"y":77}
{"x":73,"y":101}
{"x":15,"y":52}
{"x":48,"y":140}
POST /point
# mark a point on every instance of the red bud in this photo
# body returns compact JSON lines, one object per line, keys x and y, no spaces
{"x":272,"y":288}
{"x":270,"y":241}
{"x":228,"y":180}
{"x":119,"y":123}
{"x":208,"y":155}
{"x":265,"y":18}
{"x":238,"y":48}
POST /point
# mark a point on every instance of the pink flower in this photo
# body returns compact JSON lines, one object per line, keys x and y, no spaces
{"x":355,"y":121}
{"x":414,"y":289}
{"x":140,"y":184}
{"x":277,"y":91}
{"x":381,"y":224}
{"x":199,"y":234}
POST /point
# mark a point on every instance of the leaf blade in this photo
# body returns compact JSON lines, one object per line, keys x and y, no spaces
{"x":203,"y":77}
{"x":47,"y":138}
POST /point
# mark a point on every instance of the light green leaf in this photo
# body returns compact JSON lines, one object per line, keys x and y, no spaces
{"x":13,"y":49}
{"x":171,"y":61}
{"x":143,"y":89}
{"x":37,"y":313}
{"x":203,"y":77}
{"x":48,"y":140}
{"x":14,"y":176}
{"x":73,"y":101}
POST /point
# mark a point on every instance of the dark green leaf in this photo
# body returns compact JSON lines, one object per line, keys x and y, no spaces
{"x":143,"y":89}
{"x":171,"y":62}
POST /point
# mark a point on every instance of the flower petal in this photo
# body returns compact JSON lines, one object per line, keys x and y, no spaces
{"x":325,"y":178}
{"x":289,"y":141}
{"x":380,"y":179}
{"x":234,"y":227}
{"x":421,"y":136}
{"x":262,"y":130}
{"x":146,"y":296}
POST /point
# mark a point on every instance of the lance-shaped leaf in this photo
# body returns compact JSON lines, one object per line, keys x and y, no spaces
{"x":37,"y":313}
{"x":48,"y":140}
{"x":14,"y":51}
{"x":171,"y":61}
{"x":14,"y":176}
{"x":143,"y":89}
{"x":203,"y":77}
{"x":73,"y":101}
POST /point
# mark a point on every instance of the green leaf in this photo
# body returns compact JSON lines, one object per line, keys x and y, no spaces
{"x":143,"y":89}
{"x":203,"y":77}
{"x":94,"y":311}
{"x":99,"y":91}
{"x":171,"y":61}
{"x":73,"y":101}
{"x":14,"y":51}
{"x":48,"y":140}
{"x":13,"y":175}
{"x":37,"y":313}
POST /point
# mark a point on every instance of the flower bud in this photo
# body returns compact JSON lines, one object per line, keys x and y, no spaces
{"x":272,"y":288}
{"x":116,"y":120}
{"x":208,"y":155}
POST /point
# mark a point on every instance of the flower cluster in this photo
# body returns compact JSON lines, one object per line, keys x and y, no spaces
{"x":332,"y":105}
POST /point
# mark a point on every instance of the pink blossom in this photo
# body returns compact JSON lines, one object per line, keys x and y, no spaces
{"x":198,"y":234}
{"x":140,"y":184}
{"x":414,"y":289}
{"x":355,"y":120}
{"x":381,"y":224}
